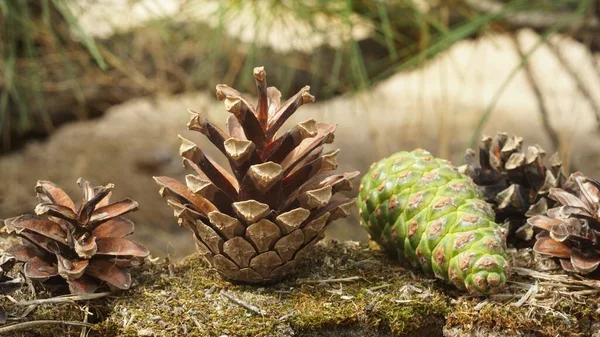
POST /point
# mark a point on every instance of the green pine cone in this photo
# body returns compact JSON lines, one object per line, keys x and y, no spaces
{"x":421,"y":209}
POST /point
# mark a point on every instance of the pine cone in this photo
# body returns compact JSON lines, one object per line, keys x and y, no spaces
{"x":254,"y":224}
{"x":571,"y":231}
{"x":516,"y":183}
{"x":8,"y":284}
{"x":84,"y":245}
{"x":422,"y":210}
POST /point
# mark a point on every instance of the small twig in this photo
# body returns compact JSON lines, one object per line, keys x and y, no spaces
{"x":286,"y":316}
{"x":61,"y":299}
{"x":580,"y":292}
{"x":503,"y":296}
{"x":129,"y":321}
{"x":171,"y":268}
{"x":32,"y":324}
{"x":522,"y":285}
{"x":84,"y":330}
{"x":552,"y":311}
{"x":24,"y":314}
{"x":558,"y":284}
{"x":402,"y":301}
{"x":330,"y":280}
{"x":480,"y":305}
{"x":242,"y":304}
{"x":561,"y":278}
{"x":365,"y":263}
{"x":379,"y":287}
{"x":529,"y":294}
{"x":198,"y":325}
{"x":210,"y":291}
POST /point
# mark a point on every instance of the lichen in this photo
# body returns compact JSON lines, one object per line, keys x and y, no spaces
{"x":375,"y":297}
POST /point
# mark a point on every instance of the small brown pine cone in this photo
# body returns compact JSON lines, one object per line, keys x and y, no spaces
{"x":83,"y":245}
{"x":515,"y":181}
{"x":570,"y":232}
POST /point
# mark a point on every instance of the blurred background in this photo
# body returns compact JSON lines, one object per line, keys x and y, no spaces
{"x":101,"y":88}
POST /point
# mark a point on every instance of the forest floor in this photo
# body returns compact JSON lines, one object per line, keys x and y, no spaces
{"x":343,"y":289}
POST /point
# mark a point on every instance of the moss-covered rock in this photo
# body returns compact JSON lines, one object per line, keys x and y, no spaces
{"x":343,"y":289}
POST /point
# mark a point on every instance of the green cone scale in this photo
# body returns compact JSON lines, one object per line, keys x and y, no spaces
{"x":422,"y":210}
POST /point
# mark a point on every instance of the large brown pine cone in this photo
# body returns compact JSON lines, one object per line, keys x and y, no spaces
{"x":255,"y":223}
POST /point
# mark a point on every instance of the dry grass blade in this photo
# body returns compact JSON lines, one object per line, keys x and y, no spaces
{"x":533,"y":290}
{"x":28,"y":325}
{"x":84,"y":330}
{"x":242,"y":303}
{"x":61,"y":299}
{"x":331,"y":280}
{"x":564,"y":279}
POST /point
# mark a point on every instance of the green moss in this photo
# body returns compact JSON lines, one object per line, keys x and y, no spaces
{"x":190,"y":299}
{"x":572,"y":318}
{"x":381,"y":299}
{"x":63,"y":311}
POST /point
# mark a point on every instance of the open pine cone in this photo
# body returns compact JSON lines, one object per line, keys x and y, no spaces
{"x":8,"y":284}
{"x":84,"y":245}
{"x":515,"y":182}
{"x":254,"y":224}
{"x":571,"y":231}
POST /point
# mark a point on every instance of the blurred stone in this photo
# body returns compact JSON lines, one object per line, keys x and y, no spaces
{"x":436,"y":108}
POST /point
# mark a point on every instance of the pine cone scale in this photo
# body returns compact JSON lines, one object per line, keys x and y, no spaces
{"x":82,"y":285}
{"x":71,"y":269}
{"x":173,"y":188}
{"x":52,"y":194}
{"x":38,"y":269}
{"x":117,"y":227}
{"x":25,"y":252}
{"x":42,"y":241}
{"x":112,"y":211}
{"x":39,"y":225}
{"x":86,"y":246}
{"x":584,"y":262}
{"x":110,"y":273}
{"x":57,"y":211}
{"x":120,"y":247}
{"x":8,"y":285}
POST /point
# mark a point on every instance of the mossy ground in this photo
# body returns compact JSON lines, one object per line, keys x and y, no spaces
{"x":379,"y":298}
